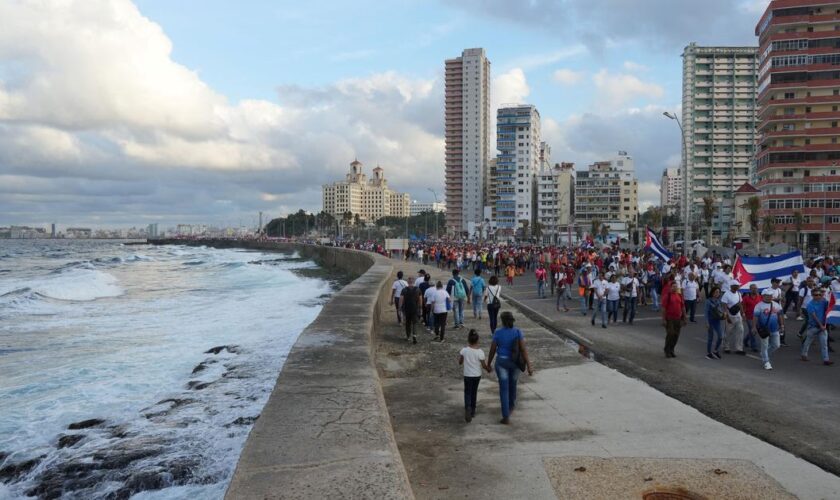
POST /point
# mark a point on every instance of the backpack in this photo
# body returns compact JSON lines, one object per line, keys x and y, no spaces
{"x":458,"y":289}
{"x":477,"y":286}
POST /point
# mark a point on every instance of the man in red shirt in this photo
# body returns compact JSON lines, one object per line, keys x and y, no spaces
{"x":750,"y":300}
{"x":673,"y":318}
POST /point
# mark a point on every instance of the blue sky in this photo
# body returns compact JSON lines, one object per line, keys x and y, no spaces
{"x":115,"y":112}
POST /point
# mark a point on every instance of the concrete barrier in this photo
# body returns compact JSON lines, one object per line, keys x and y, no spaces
{"x":325,"y":431}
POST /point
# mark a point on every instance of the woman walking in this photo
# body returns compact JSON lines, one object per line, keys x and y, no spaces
{"x":613,"y":296}
{"x":509,"y":344}
{"x":715,"y":316}
{"x":493,"y":298}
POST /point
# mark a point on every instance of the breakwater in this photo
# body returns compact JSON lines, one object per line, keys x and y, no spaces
{"x":325,"y":431}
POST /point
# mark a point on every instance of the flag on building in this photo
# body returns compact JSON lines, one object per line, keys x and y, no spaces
{"x":760,"y":271}
{"x":652,"y":244}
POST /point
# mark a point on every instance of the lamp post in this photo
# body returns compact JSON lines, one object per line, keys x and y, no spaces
{"x":434,"y":212}
{"x":686,"y":227}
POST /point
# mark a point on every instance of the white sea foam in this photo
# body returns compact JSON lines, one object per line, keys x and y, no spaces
{"x":122,"y":358}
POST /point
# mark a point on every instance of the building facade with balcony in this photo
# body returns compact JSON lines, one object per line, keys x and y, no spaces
{"x":369,"y":199}
{"x":799,"y":111}
{"x":719,"y":113}
{"x":671,"y":190}
{"x":608,"y":192}
{"x":555,"y":200}
{"x":518,"y":141}
{"x":467,"y":135}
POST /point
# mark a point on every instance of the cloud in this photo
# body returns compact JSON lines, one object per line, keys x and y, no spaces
{"x":649,"y":195}
{"x":659,"y":25}
{"x":615,"y":90}
{"x":510,"y":88}
{"x":98,"y":124}
{"x":567,"y":76}
{"x":634,"y":67}
{"x":534,"y":61}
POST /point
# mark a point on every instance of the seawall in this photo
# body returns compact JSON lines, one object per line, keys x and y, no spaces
{"x":325,"y":431}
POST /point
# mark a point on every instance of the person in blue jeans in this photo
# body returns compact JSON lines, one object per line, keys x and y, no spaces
{"x":715,"y":314}
{"x":504,"y":341}
{"x":583,"y":287}
{"x":600,"y":288}
{"x":458,"y":289}
{"x":817,"y":311}
{"x":477,"y":287}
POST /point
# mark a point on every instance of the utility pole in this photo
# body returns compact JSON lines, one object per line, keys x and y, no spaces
{"x":434,"y":193}
{"x":259,"y":229}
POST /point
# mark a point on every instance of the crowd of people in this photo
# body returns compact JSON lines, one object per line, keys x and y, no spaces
{"x":607,"y":285}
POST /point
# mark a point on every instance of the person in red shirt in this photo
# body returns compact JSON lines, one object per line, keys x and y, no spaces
{"x":750,"y":300}
{"x":673,"y":318}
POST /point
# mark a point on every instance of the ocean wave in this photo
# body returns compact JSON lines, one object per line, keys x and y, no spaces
{"x":74,"y":284}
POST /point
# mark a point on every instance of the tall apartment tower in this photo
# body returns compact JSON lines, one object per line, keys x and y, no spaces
{"x":799,"y":108}
{"x":517,"y":167}
{"x":467,"y":129}
{"x":719,"y":119}
{"x":671,"y":190}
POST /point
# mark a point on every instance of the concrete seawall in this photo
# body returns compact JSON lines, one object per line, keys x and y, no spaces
{"x":325,"y":431}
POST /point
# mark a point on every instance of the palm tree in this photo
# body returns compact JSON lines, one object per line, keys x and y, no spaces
{"x":798,"y":222}
{"x":709,"y":210}
{"x":768,"y":227}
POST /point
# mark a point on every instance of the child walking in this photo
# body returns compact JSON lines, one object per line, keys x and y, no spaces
{"x":473,"y":360}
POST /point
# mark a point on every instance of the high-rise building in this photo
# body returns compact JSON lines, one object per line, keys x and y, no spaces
{"x":608,"y":192}
{"x":555,"y":199}
{"x":52,"y":230}
{"x":369,"y":199}
{"x":719,"y":120}
{"x":671,"y":190}
{"x":799,"y":110}
{"x":152,"y":230}
{"x":517,"y":166}
{"x":467,"y":132}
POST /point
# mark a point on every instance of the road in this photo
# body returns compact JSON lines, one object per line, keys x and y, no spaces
{"x":796,"y":406}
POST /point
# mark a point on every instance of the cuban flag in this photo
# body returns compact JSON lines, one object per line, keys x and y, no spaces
{"x":832,"y":316}
{"x":760,"y":270}
{"x":652,"y":243}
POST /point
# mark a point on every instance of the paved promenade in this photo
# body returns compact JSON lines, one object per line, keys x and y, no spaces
{"x":795,"y":406}
{"x":581,"y":429}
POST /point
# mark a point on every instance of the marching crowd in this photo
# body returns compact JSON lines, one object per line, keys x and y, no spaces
{"x":603,"y":285}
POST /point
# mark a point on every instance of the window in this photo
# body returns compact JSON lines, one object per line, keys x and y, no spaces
{"x":789,"y":95}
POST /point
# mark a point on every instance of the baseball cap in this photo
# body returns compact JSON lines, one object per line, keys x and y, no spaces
{"x":767,"y":292}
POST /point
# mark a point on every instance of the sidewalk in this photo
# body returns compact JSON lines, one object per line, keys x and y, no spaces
{"x":576,"y":422}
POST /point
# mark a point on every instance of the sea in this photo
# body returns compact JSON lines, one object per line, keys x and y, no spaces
{"x":137,"y":371}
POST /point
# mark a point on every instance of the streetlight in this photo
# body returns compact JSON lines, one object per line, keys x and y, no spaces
{"x":686,"y":228}
{"x":434,"y":212}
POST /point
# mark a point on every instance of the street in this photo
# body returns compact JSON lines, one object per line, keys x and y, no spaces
{"x":796,"y":406}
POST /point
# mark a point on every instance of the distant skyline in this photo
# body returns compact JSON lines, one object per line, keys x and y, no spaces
{"x":118,"y":113}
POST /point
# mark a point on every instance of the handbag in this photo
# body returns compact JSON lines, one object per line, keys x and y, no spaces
{"x":517,"y":357}
{"x":764,"y":330}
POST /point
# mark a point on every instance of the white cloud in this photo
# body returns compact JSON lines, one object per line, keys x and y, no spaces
{"x":534,"y":61}
{"x":649,"y":195}
{"x":566,"y":76}
{"x":96,"y":97}
{"x":755,"y":7}
{"x":510,"y":88}
{"x":616,"y":90}
{"x":634,"y":67}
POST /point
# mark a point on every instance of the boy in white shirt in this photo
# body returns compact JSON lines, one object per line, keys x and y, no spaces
{"x":473,"y":360}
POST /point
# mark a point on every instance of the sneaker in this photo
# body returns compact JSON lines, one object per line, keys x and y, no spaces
{"x":414,"y":340}
{"x":768,"y":366}
{"x":803,"y":358}
{"x":828,"y":363}
{"x":441,"y":340}
{"x":505,"y":421}
{"x":603,"y":326}
{"x":800,"y":318}
{"x":716,"y":354}
{"x":467,"y":416}
{"x":710,"y":356}
{"x":593,"y":322}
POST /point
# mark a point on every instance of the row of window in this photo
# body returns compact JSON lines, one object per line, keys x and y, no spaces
{"x":800,"y":204}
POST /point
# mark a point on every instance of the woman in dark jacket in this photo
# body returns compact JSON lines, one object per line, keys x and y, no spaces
{"x":507,"y":371}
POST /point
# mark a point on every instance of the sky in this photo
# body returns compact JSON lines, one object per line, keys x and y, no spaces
{"x":119,"y":113}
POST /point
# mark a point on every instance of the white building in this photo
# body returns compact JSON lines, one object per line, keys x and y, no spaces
{"x":369,"y":199}
{"x":671,"y":190}
{"x":608,"y":192}
{"x":719,"y":114}
{"x":419,"y":208}
{"x":467,"y":133}
{"x":518,"y":140}
{"x":555,"y":199}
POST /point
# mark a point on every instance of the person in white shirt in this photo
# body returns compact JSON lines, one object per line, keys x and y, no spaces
{"x":429,"y":309}
{"x":735,"y":337}
{"x":396,"y":293}
{"x":792,"y":283}
{"x":776,"y":289}
{"x":631,"y":289}
{"x":440,"y":306}
{"x":613,"y":296}
{"x":599,"y":287}
{"x":690,"y":289}
{"x":472,"y":359}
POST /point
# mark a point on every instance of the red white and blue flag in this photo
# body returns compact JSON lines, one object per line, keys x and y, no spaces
{"x":653,"y":244}
{"x":760,"y":271}
{"x":832,"y":316}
